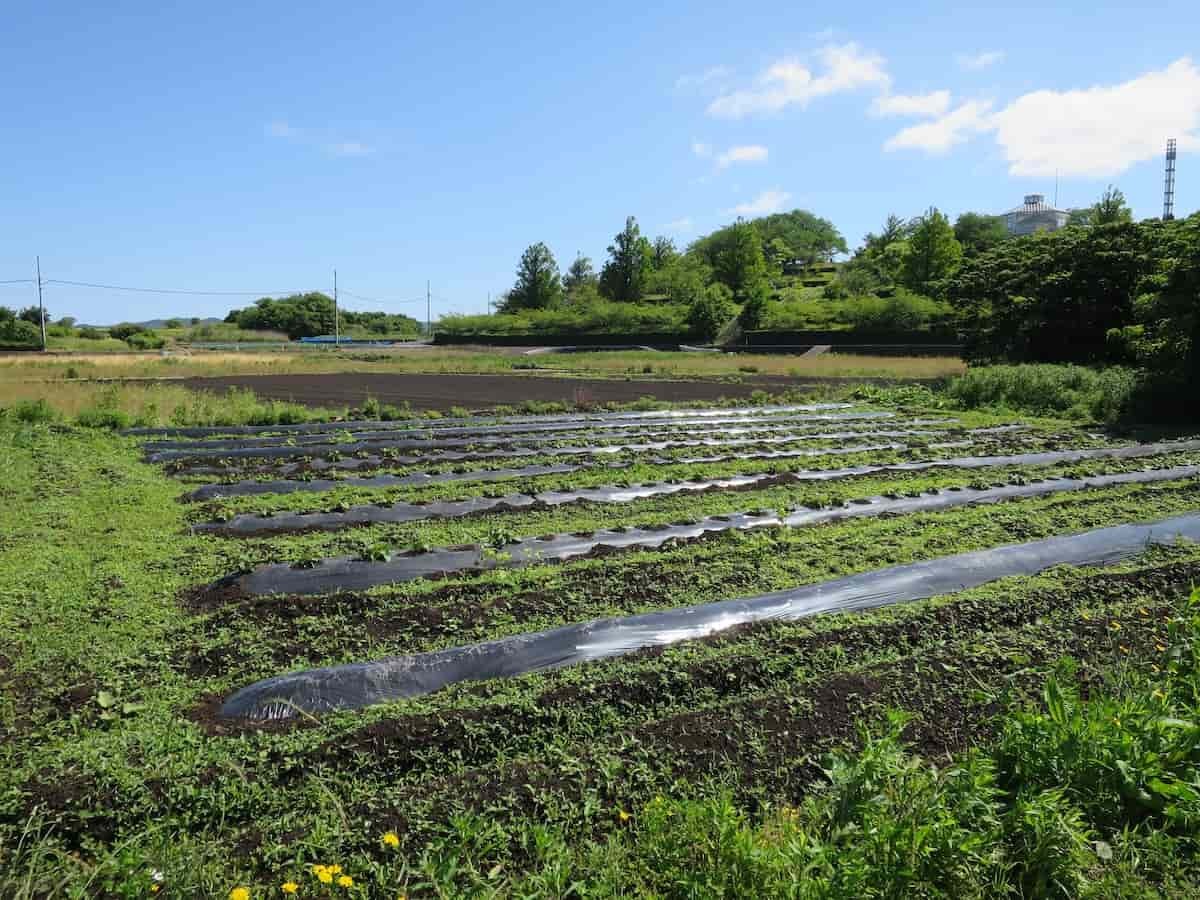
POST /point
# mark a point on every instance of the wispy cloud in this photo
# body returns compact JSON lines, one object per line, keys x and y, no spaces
{"x":751,"y":153}
{"x":932,"y":104}
{"x":945,"y":131}
{"x":764,"y":204}
{"x":973,"y":62}
{"x":680,"y":226}
{"x":790,"y":82}
{"x":330,"y":144}
{"x":701,"y":149}
{"x":1095,"y":132}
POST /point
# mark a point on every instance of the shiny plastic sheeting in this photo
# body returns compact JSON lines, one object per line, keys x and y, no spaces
{"x":797,"y":431}
{"x":400,"y":425}
{"x":361,"y":684}
{"x":743,"y":423}
{"x":349,"y":574}
{"x":396,"y":513}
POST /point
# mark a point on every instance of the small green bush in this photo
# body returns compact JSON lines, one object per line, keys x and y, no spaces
{"x":33,"y":412}
{"x":103,"y":417}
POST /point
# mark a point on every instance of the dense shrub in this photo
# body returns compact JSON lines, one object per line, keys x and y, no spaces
{"x":146,"y":340}
{"x":32,"y":412}
{"x":101,"y":417}
{"x":1047,"y":390}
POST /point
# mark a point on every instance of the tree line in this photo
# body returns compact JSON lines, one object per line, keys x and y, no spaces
{"x":712,"y":279}
{"x":312,"y":315}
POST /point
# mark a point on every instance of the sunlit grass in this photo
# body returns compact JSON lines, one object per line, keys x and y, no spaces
{"x":632,"y":363}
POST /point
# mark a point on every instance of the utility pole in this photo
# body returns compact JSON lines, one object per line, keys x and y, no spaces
{"x":337,"y":338}
{"x":428,"y":313}
{"x":41,"y":305}
{"x":489,"y":303}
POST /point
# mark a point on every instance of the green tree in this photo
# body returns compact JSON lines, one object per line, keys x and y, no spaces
{"x":1055,"y":296}
{"x":579,"y":273}
{"x":1110,"y":209}
{"x":710,"y":311}
{"x":538,"y":284}
{"x":933,"y":253}
{"x":630,"y":257}
{"x":808,"y":237}
{"x":778,"y":254}
{"x":662,"y":252}
{"x":173,"y":323}
{"x":979,"y":233}
{"x":32,"y":315}
{"x":681,"y":280}
{"x":740,"y":266}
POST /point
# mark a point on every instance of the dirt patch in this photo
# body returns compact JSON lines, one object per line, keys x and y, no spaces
{"x":441,"y":392}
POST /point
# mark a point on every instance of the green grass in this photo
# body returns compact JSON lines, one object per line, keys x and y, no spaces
{"x":109,"y":770}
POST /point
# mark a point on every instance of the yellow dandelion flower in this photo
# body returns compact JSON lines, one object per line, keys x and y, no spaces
{"x":391,"y":839}
{"x":289,"y":887}
{"x":317,"y":869}
{"x":346,"y":881}
{"x":335,"y":870}
{"x":624,"y":816}
{"x":239,"y":893}
{"x":325,"y":876}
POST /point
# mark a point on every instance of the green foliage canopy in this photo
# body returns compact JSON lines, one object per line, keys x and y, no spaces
{"x":630,"y":260}
{"x":538,"y":285}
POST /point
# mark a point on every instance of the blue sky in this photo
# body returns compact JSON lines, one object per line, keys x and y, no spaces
{"x":173,"y":145}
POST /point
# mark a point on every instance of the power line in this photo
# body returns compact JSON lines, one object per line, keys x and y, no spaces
{"x":141,"y":290}
{"x":18,"y":281}
{"x":378,"y":300}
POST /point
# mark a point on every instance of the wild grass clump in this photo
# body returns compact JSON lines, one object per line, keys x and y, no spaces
{"x":1047,"y":390}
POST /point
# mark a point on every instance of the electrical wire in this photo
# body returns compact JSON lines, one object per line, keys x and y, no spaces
{"x":140,"y":290}
{"x":376,"y":299}
{"x":18,"y":281}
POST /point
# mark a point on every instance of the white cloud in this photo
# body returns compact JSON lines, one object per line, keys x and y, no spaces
{"x":932,"y":104}
{"x":1094,"y":132}
{"x":350,"y":148}
{"x":680,"y":225}
{"x":1101,"y":131}
{"x":944,"y":132}
{"x":707,"y":78}
{"x":750,"y":153}
{"x":702,"y":150}
{"x":764,"y":204}
{"x":976,"y":61}
{"x":789,"y":82}
{"x":281,"y":129}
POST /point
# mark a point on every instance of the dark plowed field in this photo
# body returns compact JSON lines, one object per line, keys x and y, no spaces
{"x":476,"y":391}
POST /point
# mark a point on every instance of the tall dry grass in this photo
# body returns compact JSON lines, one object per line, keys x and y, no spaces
{"x":635,"y":363}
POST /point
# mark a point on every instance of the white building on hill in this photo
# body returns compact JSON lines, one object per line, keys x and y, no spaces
{"x":1035,"y":215}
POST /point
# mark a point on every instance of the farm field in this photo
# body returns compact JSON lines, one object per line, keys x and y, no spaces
{"x":468,"y":360}
{"x":551,"y":693}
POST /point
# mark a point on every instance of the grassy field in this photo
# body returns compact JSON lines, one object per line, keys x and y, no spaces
{"x":699,"y":769}
{"x":25,"y":367}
